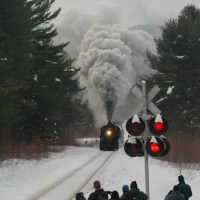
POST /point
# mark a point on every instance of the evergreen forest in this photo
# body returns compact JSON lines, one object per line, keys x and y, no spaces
{"x":36,"y":84}
{"x":178,"y":69}
{"x":177,"y":66}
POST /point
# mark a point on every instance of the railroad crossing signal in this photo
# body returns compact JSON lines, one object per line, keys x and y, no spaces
{"x":135,"y":126}
{"x":134,"y":147}
{"x":155,"y":146}
{"x":158,"y":125}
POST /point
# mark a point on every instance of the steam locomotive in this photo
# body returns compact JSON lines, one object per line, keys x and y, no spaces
{"x":109,"y":137}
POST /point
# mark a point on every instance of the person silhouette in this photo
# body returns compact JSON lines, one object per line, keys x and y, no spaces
{"x":94,"y":195}
{"x":185,"y":189}
{"x":175,"y":194}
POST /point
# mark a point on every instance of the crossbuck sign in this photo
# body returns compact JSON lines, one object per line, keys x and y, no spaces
{"x":150,"y":105}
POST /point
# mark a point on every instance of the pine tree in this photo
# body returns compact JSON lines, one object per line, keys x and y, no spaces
{"x":54,"y":87}
{"x":37,"y":84}
{"x":178,"y":66}
{"x":15,"y":60}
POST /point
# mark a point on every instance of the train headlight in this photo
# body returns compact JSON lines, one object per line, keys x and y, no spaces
{"x":108,"y":132}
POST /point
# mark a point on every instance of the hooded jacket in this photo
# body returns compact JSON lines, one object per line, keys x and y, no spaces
{"x":185,"y":189}
{"x":135,"y":192}
{"x":94,"y":195}
{"x":175,"y":195}
{"x":126,"y":196}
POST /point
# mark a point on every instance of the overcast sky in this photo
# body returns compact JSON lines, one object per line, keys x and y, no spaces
{"x":133,"y":12}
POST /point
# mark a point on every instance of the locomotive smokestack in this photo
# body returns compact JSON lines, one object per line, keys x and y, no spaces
{"x":109,"y":107}
{"x":110,"y":100}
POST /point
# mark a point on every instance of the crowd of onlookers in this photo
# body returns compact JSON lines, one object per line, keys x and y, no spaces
{"x":181,"y":191}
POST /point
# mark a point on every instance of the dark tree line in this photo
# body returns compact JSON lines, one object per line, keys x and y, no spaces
{"x":178,"y":67}
{"x":36,"y":85}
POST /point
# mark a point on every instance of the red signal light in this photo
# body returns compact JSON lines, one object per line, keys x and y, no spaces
{"x":157,"y":146}
{"x":154,"y":147}
{"x":136,"y":126}
{"x":134,"y":147}
{"x":158,"y":126}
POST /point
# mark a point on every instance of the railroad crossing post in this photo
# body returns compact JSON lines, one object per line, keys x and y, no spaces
{"x":145,"y":118}
{"x":144,"y":105}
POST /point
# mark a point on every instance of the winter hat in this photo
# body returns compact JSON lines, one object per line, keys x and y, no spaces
{"x":176,"y":188}
{"x":133,"y":184}
{"x":97,"y":184}
{"x":181,"y":178}
{"x":115,"y":195}
{"x":80,"y":196}
{"x":125,"y":188}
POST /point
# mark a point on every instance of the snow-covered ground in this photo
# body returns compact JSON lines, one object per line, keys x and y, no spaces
{"x":23,"y":178}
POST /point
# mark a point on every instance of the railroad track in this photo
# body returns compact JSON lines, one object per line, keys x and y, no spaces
{"x":73,"y":180}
